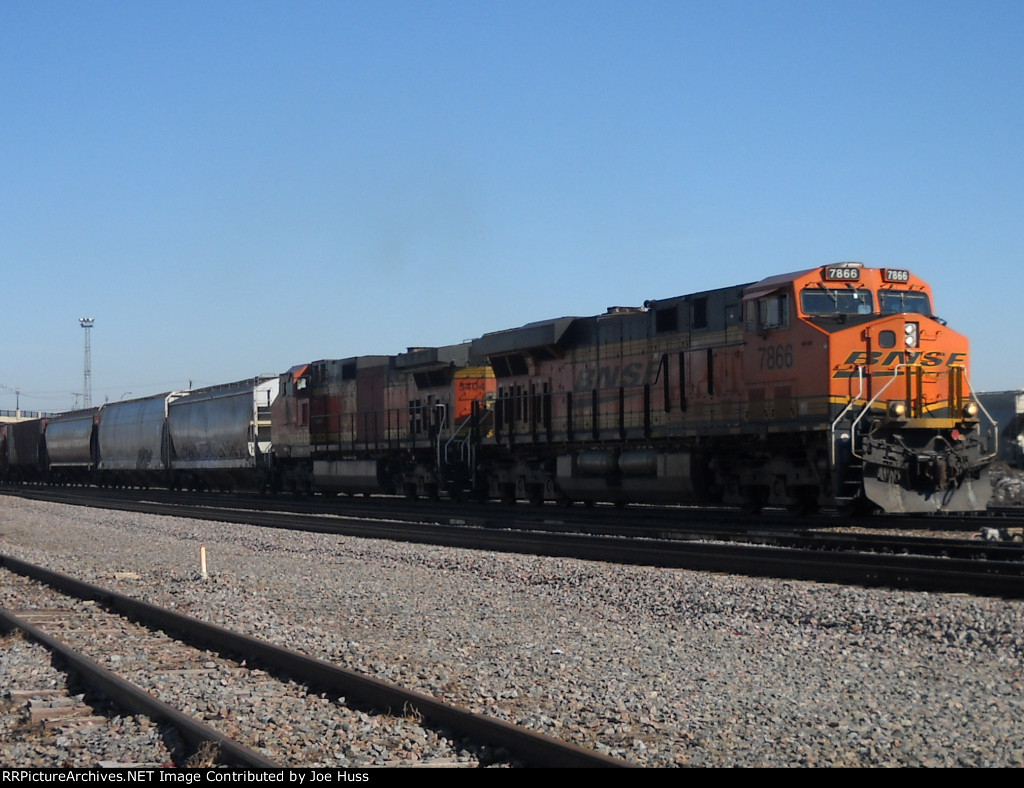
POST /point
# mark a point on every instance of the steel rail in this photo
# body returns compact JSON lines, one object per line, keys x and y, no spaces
{"x":641,"y":518}
{"x":126,"y":695}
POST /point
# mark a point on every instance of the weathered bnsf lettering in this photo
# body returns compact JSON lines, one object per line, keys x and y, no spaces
{"x":606,"y":376}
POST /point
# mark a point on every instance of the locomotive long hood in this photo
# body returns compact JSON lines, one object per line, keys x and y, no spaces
{"x":549,"y":333}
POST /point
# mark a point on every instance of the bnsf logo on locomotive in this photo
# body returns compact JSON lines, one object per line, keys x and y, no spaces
{"x":878,"y":358}
{"x":612,"y":375}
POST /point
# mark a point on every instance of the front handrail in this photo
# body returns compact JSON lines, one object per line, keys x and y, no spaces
{"x":850,"y":404}
{"x":461,"y":437}
{"x":895,"y":376}
{"x":441,"y":422}
{"x":867,"y":409}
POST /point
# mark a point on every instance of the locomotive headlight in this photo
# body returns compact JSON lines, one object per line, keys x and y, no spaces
{"x":897,"y":410}
{"x":970,"y":409}
{"x":911,"y":330}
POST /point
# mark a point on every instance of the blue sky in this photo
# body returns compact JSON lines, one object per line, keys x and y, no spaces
{"x":231,"y":188}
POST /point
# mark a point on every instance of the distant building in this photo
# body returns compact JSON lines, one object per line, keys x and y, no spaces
{"x":7,"y":416}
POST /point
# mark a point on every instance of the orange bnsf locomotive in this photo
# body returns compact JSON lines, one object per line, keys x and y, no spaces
{"x":832,"y":386}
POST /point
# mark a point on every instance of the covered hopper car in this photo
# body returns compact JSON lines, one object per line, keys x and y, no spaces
{"x":1007,"y":410}
{"x":211,"y":438}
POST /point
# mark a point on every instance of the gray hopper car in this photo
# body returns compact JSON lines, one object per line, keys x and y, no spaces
{"x":1007,"y":409}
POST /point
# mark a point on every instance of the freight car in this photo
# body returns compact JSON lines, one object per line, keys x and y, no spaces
{"x":132,"y":443}
{"x":22,"y":453}
{"x":220,"y":437}
{"x":216,"y":437}
{"x":70,"y":446}
{"x":1007,"y":410}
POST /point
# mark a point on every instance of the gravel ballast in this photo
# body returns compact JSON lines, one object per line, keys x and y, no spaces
{"x":661,"y":667}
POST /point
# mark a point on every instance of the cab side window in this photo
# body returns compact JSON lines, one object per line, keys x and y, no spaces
{"x":773,"y":311}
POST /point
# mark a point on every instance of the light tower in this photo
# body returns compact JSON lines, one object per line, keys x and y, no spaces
{"x":87,"y":323}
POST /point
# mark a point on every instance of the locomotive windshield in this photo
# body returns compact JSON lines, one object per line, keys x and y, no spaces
{"x":825,"y":301}
{"x":897,"y":302}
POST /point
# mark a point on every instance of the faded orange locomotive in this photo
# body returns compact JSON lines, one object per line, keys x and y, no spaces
{"x":380,"y":424}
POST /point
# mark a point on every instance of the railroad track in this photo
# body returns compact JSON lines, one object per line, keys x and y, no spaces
{"x":1005,"y":524}
{"x":869,"y":559}
{"x":637,"y":522}
{"x":240,"y":701}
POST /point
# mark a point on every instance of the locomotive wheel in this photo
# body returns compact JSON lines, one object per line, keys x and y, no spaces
{"x":806,"y":502}
{"x":803,"y":508}
{"x":753,"y":500}
{"x":859,"y":507}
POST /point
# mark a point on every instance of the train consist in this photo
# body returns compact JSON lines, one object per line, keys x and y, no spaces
{"x":835,"y":386}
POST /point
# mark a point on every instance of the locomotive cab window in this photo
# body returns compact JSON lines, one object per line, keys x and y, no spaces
{"x":899,"y":302}
{"x":835,"y":301}
{"x":772,"y":311}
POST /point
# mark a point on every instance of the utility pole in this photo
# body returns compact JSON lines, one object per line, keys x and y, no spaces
{"x":87,"y":324}
{"x":17,"y":400}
